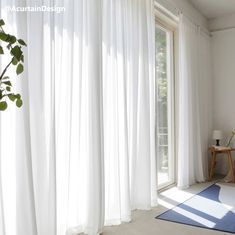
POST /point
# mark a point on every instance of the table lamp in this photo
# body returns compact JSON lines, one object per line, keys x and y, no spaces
{"x":217,"y":135}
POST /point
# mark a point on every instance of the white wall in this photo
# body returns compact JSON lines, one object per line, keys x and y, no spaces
{"x":223,"y":64}
{"x":222,"y":22}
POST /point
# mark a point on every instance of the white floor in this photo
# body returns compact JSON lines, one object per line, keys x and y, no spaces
{"x":144,"y":222}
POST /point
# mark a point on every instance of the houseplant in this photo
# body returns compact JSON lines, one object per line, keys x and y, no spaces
{"x":231,"y":137}
{"x":13,"y":46}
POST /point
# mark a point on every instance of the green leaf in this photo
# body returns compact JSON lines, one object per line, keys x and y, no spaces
{"x":7,"y":37}
{"x":8,"y":83}
{"x":3,"y":105}
{"x":3,"y":36}
{"x":14,"y":61}
{"x":1,"y":50}
{"x":18,"y":96}
{"x":2,"y":22}
{"x":19,"y":69}
{"x":22,"y":58}
{"x":16,"y":52}
{"x":8,"y":88}
{"x":22,"y":42}
{"x":12,"y":97}
{"x":19,"y":103}
{"x":12,"y":39}
{"x":5,"y":78}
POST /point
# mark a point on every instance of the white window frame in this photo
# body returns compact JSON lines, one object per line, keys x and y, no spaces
{"x":171,"y":30}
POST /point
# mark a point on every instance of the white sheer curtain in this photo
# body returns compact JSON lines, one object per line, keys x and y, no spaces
{"x":83,"y":144}
{"x":55,"y":162}
{"x":205,"y":99}
{"x":194,"y":103}
{"x":128,"y":73}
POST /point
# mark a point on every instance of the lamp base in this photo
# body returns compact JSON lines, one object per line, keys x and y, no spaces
{"x":217,"y":143}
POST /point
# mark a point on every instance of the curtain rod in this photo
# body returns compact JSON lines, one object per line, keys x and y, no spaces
{"x":221,"y":29}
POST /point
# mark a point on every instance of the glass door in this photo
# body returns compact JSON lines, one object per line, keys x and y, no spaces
{"x":164,"y":106}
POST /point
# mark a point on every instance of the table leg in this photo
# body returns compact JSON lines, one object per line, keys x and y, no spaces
{"x":213,"y":157}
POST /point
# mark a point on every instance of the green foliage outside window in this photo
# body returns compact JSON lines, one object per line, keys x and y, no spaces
{"x":161,"y":65}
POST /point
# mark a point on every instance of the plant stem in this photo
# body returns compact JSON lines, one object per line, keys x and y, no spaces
{"x":4,"y":71}
{"x":230,"y":140}
{"x":2,"y":29}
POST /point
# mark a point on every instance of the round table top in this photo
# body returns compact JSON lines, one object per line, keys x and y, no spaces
{"x":221,"y":148}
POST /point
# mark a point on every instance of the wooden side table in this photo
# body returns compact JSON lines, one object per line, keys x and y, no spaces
{"x":223,"y":150}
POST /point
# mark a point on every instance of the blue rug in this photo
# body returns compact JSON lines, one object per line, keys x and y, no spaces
{"x":213,"y":208}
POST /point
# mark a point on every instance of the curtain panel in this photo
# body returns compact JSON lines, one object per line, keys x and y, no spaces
{"x":194,"y":103}
{"x":82,"y":149}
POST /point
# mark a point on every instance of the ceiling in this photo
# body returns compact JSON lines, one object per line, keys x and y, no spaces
{"x":214,"y":8}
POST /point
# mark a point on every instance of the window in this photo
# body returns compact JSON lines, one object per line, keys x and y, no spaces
{"x":165,"y":105}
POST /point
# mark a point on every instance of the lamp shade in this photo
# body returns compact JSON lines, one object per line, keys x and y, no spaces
{"x":217,"y":135}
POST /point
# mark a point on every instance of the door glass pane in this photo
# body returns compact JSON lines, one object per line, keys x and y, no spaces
{"x":163,"y":106}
